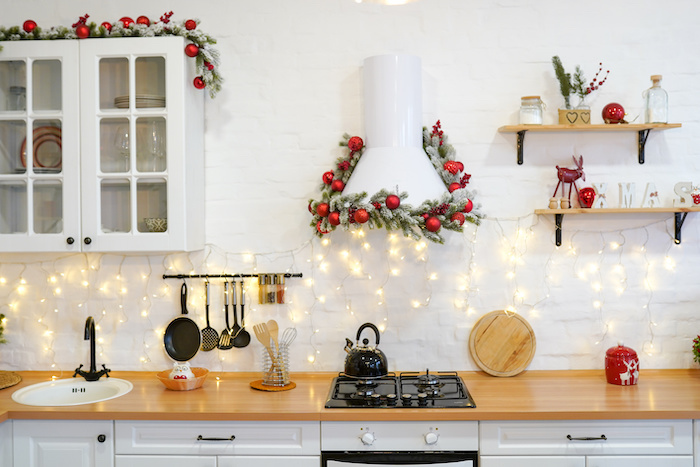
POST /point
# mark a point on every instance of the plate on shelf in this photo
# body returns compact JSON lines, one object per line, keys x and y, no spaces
{"x":140,"y":100}
{"x":47,"y":148}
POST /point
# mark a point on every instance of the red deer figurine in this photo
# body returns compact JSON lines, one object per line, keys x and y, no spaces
{"x":570,"y":176}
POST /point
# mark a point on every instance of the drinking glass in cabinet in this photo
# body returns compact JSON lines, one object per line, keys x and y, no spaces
{"x":152,"y":205}
{"x":115,"y":145}
{"x":46,"y":85}
{"x":13,"y":87}
{"x":13,"y":207}
{"x":151,"y":144}
{"x":48,"y":210}
{"x":115,"y":205}
{"x":12,"y":134}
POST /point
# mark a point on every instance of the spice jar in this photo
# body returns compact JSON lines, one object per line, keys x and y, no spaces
{"x":531,"y":110}
{"x":621,"y":366}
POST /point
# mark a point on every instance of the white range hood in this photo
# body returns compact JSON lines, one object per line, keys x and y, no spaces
{"x":394,"y":158}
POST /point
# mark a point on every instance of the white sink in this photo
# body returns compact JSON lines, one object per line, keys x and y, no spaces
{"x":72,"y":391}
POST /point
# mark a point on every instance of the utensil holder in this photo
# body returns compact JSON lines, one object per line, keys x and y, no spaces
{"x":276,"y":373}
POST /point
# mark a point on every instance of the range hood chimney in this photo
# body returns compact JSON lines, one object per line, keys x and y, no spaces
{"x":394,"y":158}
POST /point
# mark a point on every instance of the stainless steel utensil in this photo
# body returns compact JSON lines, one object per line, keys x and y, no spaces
{"x":241,"y":337}
{"x":225,"y":341}
{"x":288,"y":336}
{"x":210,"y":338}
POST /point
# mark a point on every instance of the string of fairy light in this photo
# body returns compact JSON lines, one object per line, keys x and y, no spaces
{"x":37,"y":290}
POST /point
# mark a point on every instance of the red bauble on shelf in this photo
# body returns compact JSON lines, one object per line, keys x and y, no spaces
{"x":459,"y":217}
{"x":355,"y":143}
{"x":337,"y":185}
{"x":586,"y":196}
{"x":393,"y":201}
{"x":199,"y":83}
{"x":318,"y":227}
{"x":469,"y":206}
{"x":361,"y":216}
{"x":126,"y":21}
{"x":432,"y":224}
{"x":29,"y":25}
{"x":322,"y":209}
{"x":328,"y":177}
{"x":143,"y":20}
{"x":190,"y":24}
{"x":613,"y":113}
{"x":82,"y":31}
{"x":334,"y":218}
{"x":452,"y":167}
{"x":191,"y":50}
{"x":107,"y":25}
{"x":453,"y":187}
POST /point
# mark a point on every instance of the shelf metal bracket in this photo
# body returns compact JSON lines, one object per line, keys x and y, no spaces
{"x":520,"y":144}
{"x":643,"y":135}
{"x":558,"y":218}
{"x":680,"y":218}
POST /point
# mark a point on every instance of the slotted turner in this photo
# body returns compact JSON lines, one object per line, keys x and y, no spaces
{"x":210,"y":338}
{"x":225,"y":341}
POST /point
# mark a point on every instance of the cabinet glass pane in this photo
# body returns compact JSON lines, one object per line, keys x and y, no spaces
{"x":13,"y":85}
{"x":115,"y":205}
{"x":46,"y":85}
{"x":150,"y":82}
{"x":114,"y":83}
{"x":45,"y":151}
{"x":115,"y":145}
{"x":152,"y":205}
{"x":150,"y":140}
{"x":12,"y":135}
{"x":48,"y":206}
{"x":13,"y":207}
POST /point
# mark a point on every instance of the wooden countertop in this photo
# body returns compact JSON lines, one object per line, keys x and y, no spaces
{"x":532,"y":395}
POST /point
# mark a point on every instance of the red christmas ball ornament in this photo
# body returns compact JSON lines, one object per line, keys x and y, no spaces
{"x":29,"y":25}
{"x":453,"y":186}
{"x":190,"y":24}
{"x":334,"y":218}
{"x":107,"y":25}
{"x":361,"y":216}
{"x":143,"y":20}
{"x":460,"y":166}
{"x":323,"y":209}
{"x":459,"y":217}
{"x":393,"y":201}
{"x":586,"y":196}
{"x":199,"y":83}
{"x":82,"y":31}
{"x":337,"y":185}
{"x":452,"y":167}
{"x":328,"y":177}
{"x":126,"y":21}
{"x":311,"y":210}
{"x":469,"y":206}
{"x":355,"y":143}
{"x":613,"y":113}
{"x":318,"y":227}
{"x":433,"y":224}
{"x":191,"y":50}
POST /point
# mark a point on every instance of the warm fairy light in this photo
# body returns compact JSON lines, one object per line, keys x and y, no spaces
{"x":311,"y":358}
{"x":124,"y":291}
{"x":322,"y":299}
{"x":85,"y":283}
{"x":669,"y":263}
{"x":345,"y":254}
{"x":596,"y":286}
{"x":614,"y":245}
{"x":366,"y":246}
{"x":394,"y":272}
{"x":323,"y":266}
{"x":510,"y":274}
{"x":3,"y":280}
{"x":21,"y":289}
{"x":416,"y":304}
{"x":433,"y":276}
{"x":597,"y":304}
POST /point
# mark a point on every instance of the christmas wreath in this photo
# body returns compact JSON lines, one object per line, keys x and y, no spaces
{"x":200,"y":48}
{"x":385,"y":209}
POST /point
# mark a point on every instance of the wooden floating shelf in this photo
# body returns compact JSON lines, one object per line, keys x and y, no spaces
{"x":642,"y":130}
{"x":680,"y":214}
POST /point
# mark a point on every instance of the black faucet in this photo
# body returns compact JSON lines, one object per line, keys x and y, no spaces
{"x":93,"y":374}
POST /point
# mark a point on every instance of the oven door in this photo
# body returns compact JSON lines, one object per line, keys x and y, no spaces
{"x":403,"y":458}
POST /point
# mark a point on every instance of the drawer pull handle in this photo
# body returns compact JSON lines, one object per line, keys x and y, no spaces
{"x":587,"y":438}
{"x":202,"y":438}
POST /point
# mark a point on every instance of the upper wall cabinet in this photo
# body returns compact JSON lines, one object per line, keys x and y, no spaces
{"x":101,"y":146}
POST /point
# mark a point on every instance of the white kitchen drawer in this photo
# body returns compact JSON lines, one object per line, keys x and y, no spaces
{"x":531,"y":461}
{"x":269,"y":461}
{"x":634,"y":437}
{"x":269,"y":438}
{"x":165,"y":461}
{"x":640,"y":461}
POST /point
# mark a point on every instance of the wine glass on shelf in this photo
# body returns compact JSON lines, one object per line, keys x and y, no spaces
{"x":122,"y":144}
{"x":156,"y":146}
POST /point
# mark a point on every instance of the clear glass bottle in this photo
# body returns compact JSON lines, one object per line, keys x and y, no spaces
{"x":656,"y":107}
{"x":531,"y":110}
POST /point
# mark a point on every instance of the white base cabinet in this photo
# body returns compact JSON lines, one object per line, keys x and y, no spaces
{"x":607,"y":443}
{"x":6,"y":444}
{"x":51,"y":443}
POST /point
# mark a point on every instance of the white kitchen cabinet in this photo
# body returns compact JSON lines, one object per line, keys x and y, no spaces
{"x":96,"y":137}
{"x":222,"y":444}
{"x":602,"y":443}
{"x":696,"y":442}
{"x":52,"y":443}
{"x":6,"y":443}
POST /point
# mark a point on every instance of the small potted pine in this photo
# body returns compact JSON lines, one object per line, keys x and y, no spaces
{"x":576,"y":86}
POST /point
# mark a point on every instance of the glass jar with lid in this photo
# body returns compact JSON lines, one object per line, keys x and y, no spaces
{"x":531,"y":110}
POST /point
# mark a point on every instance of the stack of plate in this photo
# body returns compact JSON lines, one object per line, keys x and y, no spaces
{"x":141,"y":100}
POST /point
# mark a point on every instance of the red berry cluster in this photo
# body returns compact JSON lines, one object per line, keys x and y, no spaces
{"x":439,"y":210}
{"x":345,"y":165}
{"x":437,"y":131}
{"x":464,"y":180}
{"x":165,"y":19}
{"x":696,"y":349}
{"x":595,"y":84}
{"x":82,"y":20}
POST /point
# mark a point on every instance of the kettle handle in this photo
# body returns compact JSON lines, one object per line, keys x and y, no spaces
{"x":372,"y":327}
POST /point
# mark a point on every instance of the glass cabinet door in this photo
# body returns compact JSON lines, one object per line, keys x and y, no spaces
{"x":39,"y":152}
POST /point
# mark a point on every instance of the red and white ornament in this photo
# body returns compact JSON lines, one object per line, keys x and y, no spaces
{"x":29,"y":25}
{"x":190,"y":24}
{"x":361,"y":216}
{"x":613,"y":113}
{"x":191,"y":50}
{"x":432,"y":224}
{"x":82,"y":31}
{"x":393,"y":202}
{"x":318,"y":227}
{"x":107,"y":25}
{"x":322,"y":209}
{"x":126,"y":21}
{"x":355,"y":143}
{"x":334,"y":218}
{"x":459,"y":217}
{"x":337,"y":185}
{"x":199,"y":83}
{"x":143,"y":20}
{"x":453,"y":187}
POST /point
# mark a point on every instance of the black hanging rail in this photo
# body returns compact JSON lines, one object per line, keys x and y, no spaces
{"x":225,"y":276}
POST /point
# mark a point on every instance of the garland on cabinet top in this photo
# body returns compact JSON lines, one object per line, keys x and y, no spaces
{"x":200,"y":48}
{"x":384,"y":209}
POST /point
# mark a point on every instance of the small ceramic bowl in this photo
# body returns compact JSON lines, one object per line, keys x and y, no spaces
{"x":200,"y":374}
{"x":156,"y":224}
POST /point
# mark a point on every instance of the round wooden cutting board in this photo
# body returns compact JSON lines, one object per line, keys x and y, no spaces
{"x":502,"y":344}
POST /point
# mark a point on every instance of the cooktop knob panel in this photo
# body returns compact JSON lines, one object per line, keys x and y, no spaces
{"x":367,"y":439}
{"x":431,"y":438}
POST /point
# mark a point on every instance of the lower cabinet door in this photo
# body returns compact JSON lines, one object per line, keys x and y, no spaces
{"x":532,"y":461}
{"x":269,"y":461}
{"x":165,"y":461}
{"x":640,"y":461}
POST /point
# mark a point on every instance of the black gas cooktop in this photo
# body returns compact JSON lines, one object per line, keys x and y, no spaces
{"x":406,"y":390}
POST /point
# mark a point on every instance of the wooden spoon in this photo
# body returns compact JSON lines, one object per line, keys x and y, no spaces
{"x":263,"y":335}
{"x":273,"y":328}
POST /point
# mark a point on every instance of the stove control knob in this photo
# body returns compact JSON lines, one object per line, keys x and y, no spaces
{"x":406,"y":399}
{"x":431,"y":438}
{"x":367,"y":439}
{"x":391,"y":399}
{"x":376,"y":399}
{"x":422,"y":399}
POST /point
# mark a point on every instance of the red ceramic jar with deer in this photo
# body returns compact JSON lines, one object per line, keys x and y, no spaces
{"x":621,"y":366}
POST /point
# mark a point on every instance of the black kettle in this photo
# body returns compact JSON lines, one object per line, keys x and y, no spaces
{"x":364,"y":361}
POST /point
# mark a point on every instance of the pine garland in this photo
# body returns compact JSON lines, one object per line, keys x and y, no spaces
{"x":405,"y":218}
{"x":206,"y":62}
{"x":2,"y":328}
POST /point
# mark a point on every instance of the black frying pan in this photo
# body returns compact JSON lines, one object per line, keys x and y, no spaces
{"x":182,"y":337}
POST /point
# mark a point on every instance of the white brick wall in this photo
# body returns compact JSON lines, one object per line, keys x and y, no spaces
{"x":293,"y":86}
